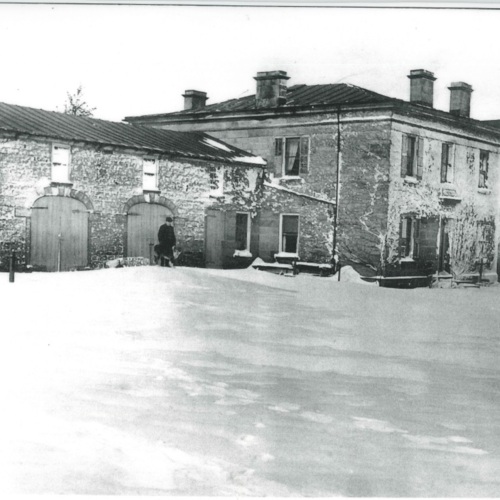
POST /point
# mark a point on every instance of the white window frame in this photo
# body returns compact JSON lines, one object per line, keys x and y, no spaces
{"x":247,"y":248}
{"x":216,"y":173}
{"x":280,"y":150}
{"x":150,"y":178}
{"x":484,"y":177}
{"x":412,"y":161}
{"x":60,"y":171}
{"x":450,"y":170}
{"x":281,"y":250}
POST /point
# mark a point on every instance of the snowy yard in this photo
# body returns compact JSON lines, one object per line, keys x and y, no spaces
{"x":204,"y":382}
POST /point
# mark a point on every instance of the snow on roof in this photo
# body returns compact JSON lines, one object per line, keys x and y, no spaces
{"x":216,"y":144}
{"x":254,"y":160}
{"x":64,"y":127}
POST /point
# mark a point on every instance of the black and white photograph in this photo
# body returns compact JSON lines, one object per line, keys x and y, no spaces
{"x":250,"y":249}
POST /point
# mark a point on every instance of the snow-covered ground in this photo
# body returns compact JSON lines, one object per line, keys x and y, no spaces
{"x":204,"y":382}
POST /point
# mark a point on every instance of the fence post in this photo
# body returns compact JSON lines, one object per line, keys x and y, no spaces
{"x":12,"y":267}
{"x":151,"y":245}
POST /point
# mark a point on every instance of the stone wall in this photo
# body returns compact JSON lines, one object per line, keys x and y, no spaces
{"x":315,"y":225}
{"x":364,"y":178}
{"x":107,"y":183}
{"x":373,"y":195}
{"x":467,"y":215}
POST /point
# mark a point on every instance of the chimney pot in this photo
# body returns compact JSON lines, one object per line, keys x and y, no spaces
{"x":422,"y":87}
{"x":194,"y":99}
{"x":271,"y":88}
{"x":460,"y":96}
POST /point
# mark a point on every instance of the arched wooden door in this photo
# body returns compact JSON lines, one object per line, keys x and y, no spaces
{"x":59,"y":233}
{"x":143,"y":222}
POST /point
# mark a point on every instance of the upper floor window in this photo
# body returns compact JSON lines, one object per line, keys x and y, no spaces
{"x":60,"y":163}
{"x":412,"y":156}
{"x":292,"y":155}
{"x":242,"y":231}
{"x":216,"y":181}
{"x":150,"y":174}
{"x":447,"y":162}
{"x":289,"y":234}
{"x":484,"y":159}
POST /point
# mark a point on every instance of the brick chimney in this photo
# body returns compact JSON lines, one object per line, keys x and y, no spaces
{"x":460,"y":94}
{"x":271,"y":88}
{"x":422,"y":87}
{"x":194,"y":99}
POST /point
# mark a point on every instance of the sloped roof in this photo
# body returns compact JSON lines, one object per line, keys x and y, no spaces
{"x":297,"y":96}
{"x":63,"y":127}
{"x":492,"y":123}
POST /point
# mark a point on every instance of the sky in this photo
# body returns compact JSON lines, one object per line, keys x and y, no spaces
{"x":139,"y":59}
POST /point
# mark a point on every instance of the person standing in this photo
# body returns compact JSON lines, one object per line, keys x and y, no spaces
{"x":166,"y":238}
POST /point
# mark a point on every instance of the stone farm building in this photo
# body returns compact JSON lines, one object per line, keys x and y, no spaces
{"x":76,"y":192}
{"x":418,"y":185}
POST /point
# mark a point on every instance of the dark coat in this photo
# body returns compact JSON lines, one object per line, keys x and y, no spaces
{"x":166,"y":237}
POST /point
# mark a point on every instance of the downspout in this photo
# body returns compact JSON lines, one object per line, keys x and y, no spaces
{"x":335,"y":257}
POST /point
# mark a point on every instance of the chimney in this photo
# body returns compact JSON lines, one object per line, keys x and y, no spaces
{"x":422,"y":87}
{"x":271,"y":89}
{"x":194,"y":99}
{"x":460,"y":94}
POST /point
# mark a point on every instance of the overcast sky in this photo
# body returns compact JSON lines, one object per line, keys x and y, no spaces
{"x":134,"y":60}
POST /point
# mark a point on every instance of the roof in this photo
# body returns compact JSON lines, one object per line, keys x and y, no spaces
{"x":297,"y":96}
{"x":492,"y":123}
{"x":64,"y":127}
{"x":318,"y":97}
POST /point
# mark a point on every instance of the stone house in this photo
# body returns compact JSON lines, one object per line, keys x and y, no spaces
{"x":418,"y":187}
{"x":76,"y":192}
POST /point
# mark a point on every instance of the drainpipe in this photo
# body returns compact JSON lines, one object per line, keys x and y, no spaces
{"x":337,"y":189}
{"x":59,"y":244}
{"x":439,"y":250}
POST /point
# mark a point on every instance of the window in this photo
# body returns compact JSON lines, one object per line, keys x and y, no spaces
{"x":60,"y":163}
{"x":409,"y":237}
{"x":412,"y":156}
{"x":289,"y":234}
{"x":484,"y":158}
{"x":295,"y":160}
{"x":447,"y":162}
{"x":150,"y":174}
{"x":216,"y":181}
{"x":485,"y":248}
{"x":242,"y":231}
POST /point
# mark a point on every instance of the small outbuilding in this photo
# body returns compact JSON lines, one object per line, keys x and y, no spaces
{"x":76,"y":192}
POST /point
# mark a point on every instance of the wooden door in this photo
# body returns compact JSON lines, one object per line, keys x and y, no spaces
{"x":59,"y":233}
{"x":143,"y":222}
{"x":214,"y":237}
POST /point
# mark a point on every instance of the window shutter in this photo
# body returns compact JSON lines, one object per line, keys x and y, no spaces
{"x":401,"y":236}
{"x":444,"y":161}
{"x":420,"y":157}
{"x":404,"y":155}
{"x":304,"y":155}
{"x":278,"y":156}
{"x":416,"y":238}
{"x":278,"y":146}
{"x":451,"y":163}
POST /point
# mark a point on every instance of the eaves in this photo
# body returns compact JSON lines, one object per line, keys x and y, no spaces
{"x":122,"y":148}
{"x":394,"y":106}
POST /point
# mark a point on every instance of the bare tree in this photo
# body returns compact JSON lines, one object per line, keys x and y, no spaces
{"x":76,"y":105}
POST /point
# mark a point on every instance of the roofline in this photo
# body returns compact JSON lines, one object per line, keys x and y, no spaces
{"x":179,"y":116}
{"x":146,"y":150}
{"x":391,"y":104}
